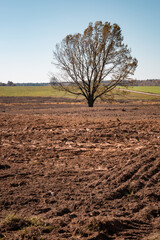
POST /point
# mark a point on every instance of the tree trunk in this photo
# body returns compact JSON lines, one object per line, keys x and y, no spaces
{"x":90,"y":101}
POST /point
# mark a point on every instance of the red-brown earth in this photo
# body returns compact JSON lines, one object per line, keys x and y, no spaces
{"x":82,"y":173}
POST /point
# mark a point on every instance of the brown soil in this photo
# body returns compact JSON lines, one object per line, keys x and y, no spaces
{"x":88,"y":173}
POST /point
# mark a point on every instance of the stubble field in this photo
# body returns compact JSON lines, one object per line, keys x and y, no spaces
{"x":72,"y":172}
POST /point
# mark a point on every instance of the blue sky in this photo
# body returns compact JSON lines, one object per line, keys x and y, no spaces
{"x":30,"y":29}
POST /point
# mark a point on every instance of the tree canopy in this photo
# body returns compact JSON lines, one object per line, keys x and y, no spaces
{"x":90,"y":58}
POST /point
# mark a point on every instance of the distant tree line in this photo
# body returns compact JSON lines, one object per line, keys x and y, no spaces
{"x":148,"y":82}
{"x":23,"y":84}
{"x":32,"y":84}
{"x":9,"y":83}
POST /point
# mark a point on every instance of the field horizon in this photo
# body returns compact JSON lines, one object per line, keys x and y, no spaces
{"x":48,"y":91}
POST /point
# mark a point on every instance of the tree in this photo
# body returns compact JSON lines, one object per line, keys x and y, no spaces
{"x":91,"y":58}
{"x":10,"y":83}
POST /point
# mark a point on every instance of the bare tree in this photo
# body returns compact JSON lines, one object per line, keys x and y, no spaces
{"x":91,"y":58}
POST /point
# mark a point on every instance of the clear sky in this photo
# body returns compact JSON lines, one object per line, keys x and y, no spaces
{"x":30,"y":29}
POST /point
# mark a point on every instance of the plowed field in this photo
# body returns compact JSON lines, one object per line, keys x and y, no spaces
{"x":79,"y":172}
